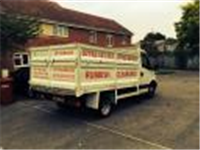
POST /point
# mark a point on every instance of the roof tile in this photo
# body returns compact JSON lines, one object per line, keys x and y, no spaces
{"x":50,"y":10}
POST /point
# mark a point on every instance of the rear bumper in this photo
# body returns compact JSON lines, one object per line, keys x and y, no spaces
{"x":53,"y":91}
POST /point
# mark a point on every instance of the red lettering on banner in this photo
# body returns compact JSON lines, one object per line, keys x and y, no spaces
{"x":97,"y":74}
{"x":63,"y":53}
{"x":63,"y":77}
{"x":123,"y":74}
{"x":39,"y":72}
{"x":97,"y":54}
{"x":126,"y":57}
{"x":63,"y":74}
{"x":39,"y":76}
{"x":63,"y":69}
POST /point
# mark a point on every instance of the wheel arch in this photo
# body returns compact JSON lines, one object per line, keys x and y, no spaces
{"x":108,"y":95}
{"x":153,"y":83}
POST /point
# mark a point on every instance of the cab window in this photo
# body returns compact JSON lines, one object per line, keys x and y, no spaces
{"x":146,"y":62}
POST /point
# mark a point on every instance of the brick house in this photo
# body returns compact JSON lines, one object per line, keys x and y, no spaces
{"x":61,"y":26}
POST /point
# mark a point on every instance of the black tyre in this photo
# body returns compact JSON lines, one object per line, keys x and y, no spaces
{"x":31,"y":94}
{"x":105,"y":108}
{"x":48,"y":96}
{"x":61,"y":105}
{"x":151,"y":90}
{"x":34,"y":94}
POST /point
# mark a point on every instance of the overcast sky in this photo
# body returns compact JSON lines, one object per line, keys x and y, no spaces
{"x":139,"y":16}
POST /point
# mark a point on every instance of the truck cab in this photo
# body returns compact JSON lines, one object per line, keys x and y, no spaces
{"x":148,"y":81}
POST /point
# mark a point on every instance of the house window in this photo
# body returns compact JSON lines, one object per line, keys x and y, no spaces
{"x":124,"y":41}
{"x":20,"y":60}
{"x":109,"y":39}
{"x":46,"y":29}
{"x":93,"y":37}
{"x":60,"y":30}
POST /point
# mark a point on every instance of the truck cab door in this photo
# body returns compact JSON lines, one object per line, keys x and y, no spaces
{"x":146,"y":73}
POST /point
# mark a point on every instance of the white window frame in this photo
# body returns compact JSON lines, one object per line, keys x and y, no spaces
{"x":61,"y":30}
{"x":93,"y":37}
{"x":110,"y":40}
{"x":20,"y":56}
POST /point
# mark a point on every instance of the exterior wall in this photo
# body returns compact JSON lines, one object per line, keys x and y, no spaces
{"x":78,"y":35}
{"x":6,"y":60}
{"x":118,"y":40}
{"x":101,"y":38}
{"x":82,"y":36}
{"x":121,"y":40}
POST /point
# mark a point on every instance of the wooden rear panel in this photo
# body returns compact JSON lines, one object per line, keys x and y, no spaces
{"x":54,"y":66}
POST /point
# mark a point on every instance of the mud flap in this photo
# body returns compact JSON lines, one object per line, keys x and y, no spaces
{"x":92,"y":100}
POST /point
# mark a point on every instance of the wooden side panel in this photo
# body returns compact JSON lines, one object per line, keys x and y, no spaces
{"x":108,"y":69}
{"x":127,"y":67}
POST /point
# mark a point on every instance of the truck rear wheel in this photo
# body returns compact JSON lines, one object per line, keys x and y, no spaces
{"x":61,"y":105}
{"x":105,"y":108}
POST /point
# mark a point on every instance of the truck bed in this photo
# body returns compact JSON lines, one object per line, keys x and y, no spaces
{"x":77,"y":69}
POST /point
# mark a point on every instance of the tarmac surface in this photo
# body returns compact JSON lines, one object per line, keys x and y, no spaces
{"x":168,"y":121}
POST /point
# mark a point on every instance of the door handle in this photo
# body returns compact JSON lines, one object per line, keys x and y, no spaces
{"x":141,"y":74}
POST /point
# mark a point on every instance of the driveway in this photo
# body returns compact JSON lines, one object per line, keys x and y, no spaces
{"x":168,"y":121}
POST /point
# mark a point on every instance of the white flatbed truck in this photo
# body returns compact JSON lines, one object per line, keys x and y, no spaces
{"x":92,"y":76}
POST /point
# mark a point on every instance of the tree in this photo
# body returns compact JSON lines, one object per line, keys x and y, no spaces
{"x":148,"y":43}
{"x":16,"y":30}
{"x":187,"y":30}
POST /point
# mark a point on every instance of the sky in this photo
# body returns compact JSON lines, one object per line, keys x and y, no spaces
{"x":139,"y":16}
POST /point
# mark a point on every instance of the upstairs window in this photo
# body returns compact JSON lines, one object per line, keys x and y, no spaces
{"x":20,"y":60}
{"x":61,"y":30}
{"x":110,"y":41}
{"x":124,"y":40}
{"x":93,"y":37}
{"x":46,"y":29}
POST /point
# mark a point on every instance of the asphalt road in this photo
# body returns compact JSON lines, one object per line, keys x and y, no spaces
{"x":168,"y":121}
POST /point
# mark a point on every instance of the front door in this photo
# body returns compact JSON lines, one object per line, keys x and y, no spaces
{"x":145,"y":73}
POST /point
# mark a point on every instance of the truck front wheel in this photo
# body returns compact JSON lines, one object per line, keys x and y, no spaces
{"x":152,"y":90}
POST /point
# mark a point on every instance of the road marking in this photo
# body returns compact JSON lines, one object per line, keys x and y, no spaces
{"x":44,"y":110}
{"x":25,"y":104}
{"x":100,"y":127}
{"x":127,"y":136}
